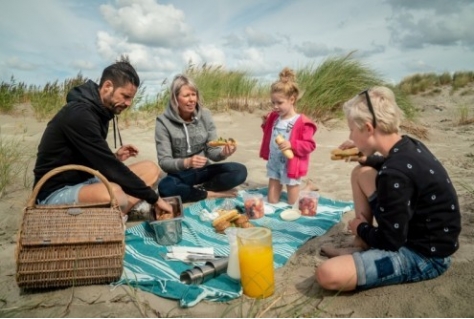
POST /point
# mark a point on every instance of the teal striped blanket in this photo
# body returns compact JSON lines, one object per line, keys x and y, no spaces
{"x":146,"y":268}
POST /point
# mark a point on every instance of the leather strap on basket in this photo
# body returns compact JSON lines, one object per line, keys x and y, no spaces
{"x":55,"y":171}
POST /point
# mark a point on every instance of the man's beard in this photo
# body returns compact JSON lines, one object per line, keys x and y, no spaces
{"x":110,"y":104}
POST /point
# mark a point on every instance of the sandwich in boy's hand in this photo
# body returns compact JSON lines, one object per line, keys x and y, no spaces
{"x":349,"y":155}
{"x":222,"y":142}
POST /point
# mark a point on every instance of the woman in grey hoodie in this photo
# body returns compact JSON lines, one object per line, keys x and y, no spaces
{"x":181,"y":136}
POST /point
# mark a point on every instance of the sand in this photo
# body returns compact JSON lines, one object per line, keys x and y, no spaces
{"x":297,"y":294}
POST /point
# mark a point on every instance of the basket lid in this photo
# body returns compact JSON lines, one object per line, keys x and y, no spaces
{"x":52,"y":225}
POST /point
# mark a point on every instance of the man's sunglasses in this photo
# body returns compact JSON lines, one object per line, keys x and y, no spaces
{"x":371,"y":108}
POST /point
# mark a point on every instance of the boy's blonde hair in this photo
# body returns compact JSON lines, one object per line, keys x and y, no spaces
{"x":287,"y":84}
{"x":388,"y":116}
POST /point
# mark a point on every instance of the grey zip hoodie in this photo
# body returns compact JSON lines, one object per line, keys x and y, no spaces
{"x":176,"y":139}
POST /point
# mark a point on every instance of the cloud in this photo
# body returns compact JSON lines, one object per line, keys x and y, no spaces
{"x":374,"y":49}
{"x":209,"y":54}
{"x":254,"y":61}
{"x":258,"y":38}
{"x":141,"y":56}
{"x":312,"y":49}
{"x":19,"y":64}
{"x":83,"y":65}
{"x":418,"y":66}
{"x":234,"y":41}
{"x":416,"y":24}
{"x":149,"y":23}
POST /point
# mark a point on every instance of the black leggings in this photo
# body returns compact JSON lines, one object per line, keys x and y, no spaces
{"x":214,"y":177}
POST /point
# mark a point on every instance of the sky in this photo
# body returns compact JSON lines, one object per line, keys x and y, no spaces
{"x":48,"y":40}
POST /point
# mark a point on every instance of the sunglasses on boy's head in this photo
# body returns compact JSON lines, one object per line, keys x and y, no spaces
{"x":369,"y":105}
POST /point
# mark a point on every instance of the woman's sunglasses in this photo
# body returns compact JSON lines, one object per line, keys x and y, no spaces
{"x":371,"y":108}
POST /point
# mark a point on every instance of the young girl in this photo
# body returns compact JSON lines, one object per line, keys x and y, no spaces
{"x":297,"y":131}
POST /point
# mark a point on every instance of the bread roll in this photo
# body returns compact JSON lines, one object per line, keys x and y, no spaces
{"x":288,"y":153}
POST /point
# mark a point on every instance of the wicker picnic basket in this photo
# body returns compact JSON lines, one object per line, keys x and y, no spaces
{"x":60,"y":246}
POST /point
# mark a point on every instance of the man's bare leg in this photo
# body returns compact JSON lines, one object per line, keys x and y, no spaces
{"x":98,"y":193}
{"x":148,"y":172}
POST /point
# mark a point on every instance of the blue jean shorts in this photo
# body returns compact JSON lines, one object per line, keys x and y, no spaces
{"x":67,"y":194}
{"x":281,"y":174}
{"x":377,"y":267}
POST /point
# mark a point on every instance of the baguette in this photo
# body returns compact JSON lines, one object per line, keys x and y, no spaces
{"x":350,"y":154}
{"x":224,"y":220}
{"x":288,"y":153}
{"x":222,"y":142}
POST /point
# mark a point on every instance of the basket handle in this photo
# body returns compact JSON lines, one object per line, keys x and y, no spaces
{"x":57,"y":170}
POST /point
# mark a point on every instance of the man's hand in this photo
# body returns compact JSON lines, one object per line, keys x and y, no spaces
{"x":126,"y":152}
{"x":162,"y":206}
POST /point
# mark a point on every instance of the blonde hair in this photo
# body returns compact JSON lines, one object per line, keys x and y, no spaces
{"x":388,"y":116}
{"x":179,"y":81}
{"x":287,"y":84}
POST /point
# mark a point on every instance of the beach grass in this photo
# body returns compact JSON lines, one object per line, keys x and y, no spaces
{"x":325,"y":87}
{"x":14,"y":161}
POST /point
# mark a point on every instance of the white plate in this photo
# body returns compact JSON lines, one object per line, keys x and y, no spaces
{"x":268,"y":210}
{"x":290,"y":214}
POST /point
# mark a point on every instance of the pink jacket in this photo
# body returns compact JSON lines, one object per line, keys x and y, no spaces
{"x":301,"y":139}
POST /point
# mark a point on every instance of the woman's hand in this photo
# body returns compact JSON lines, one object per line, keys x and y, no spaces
{"x":125,"y":152}
{"x":228,"y":150}
{"x":196,"y":161}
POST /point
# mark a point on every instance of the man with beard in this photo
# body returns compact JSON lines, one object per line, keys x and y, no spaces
{"x":77,"y":135}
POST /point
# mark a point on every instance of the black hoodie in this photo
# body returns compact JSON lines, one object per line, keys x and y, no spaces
{"x":77,"y":135}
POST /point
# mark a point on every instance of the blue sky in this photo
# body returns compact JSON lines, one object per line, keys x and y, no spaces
{"x":51,"y":40}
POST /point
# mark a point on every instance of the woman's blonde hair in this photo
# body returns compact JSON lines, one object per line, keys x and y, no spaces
{"x":286,"y":84}
{"x":179,"y":81}
{"x":388,"y":116}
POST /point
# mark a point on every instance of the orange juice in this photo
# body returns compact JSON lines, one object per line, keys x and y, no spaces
{"x":256,"y":271}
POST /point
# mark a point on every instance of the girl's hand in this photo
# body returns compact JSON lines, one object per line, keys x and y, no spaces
{"x":285,"y":145}
{"x":125,"y":152}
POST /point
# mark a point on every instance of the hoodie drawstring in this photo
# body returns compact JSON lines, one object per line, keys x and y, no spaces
{"x":117,"y":130}
{"x":187,"y":138}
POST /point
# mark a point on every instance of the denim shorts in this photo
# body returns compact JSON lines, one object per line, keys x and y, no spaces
{"x":67,"y":194}
{"x":377,"y":267}
{"x":280,"y":173}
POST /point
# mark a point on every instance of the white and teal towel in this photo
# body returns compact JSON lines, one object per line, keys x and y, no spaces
{"x":145,"y":267}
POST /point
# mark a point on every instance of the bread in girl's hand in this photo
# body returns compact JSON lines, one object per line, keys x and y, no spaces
{"x":350,"y":154}
{"x":288,"y":153}
{"x":222,"y":142}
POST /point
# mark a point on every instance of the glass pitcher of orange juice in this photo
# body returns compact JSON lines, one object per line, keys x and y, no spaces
{"x":256,"y":261}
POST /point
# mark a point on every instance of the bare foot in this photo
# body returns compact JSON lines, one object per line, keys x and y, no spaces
{"x":229,"y":193}
{"x":310,"y":186}
{"x":347,"y":246}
